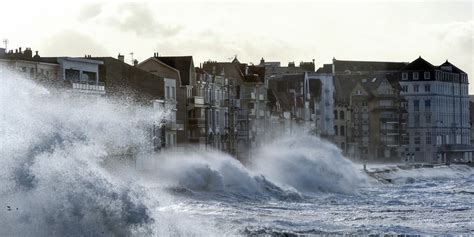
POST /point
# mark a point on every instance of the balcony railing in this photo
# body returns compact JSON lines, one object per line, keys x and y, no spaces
{"x":196,"y":100}
{"x":199,"y":122}
{"x":88,"y":87}
{"x":177,"y":125}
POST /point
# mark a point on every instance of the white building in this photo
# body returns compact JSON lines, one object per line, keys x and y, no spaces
{"x":438,"y":112}
{"x":324,"y":104}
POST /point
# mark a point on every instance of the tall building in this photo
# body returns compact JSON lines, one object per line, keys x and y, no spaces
{"x":207,"y":111}
{"x":245,"y":102}
{"x":369,"y":118}
{"x":438,"y":109}
{"x":179,"y":75}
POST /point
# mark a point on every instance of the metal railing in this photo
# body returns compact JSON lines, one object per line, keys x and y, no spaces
{"x":88,"y":86}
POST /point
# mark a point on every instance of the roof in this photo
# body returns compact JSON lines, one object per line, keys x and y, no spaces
{"x":284,"y":99}
{"x":231,"y":70}
{"x":326,"y":68}
{"x":419,"y":64}
{"x":184,"y":64}
{"x":453,"y":68}
{"x":344,"y":84}
{"x":343,"y":66}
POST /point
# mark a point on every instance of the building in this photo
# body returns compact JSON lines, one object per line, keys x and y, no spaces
{"x":179,"y":75}
{"x":315,"y":90}
{"x":438,"y":112}
{"x":246,"y":104}
{"x":207,"y":111}
{"x":369,"y":117}
{"x":134,"y":85}
{"x":65,"y":73}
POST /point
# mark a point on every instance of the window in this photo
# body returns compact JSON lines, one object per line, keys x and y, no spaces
{"x":343,"y":132}
{"x":173,"y":95}
{"x":417,"y":120}
{"x":335,"y":114}
{"x":428,"y":119}
{"x":404,"y":76}
{"x":417,"y":138}
{"x":405,"y":88}
{"x":427,"y":104}
{"x":427,"y":75}
{"x":415,"y":76}
{"x":341,"y":115}
{"x":335,"y":130}
{"x":416,"y":105}
{"x":416,"y":88}
{"x":427,"y":88}
{"x":167,"y":93}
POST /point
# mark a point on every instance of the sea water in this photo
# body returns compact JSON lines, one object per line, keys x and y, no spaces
{"x":73,"y":165}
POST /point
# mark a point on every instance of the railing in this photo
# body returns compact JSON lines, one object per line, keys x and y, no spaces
{"x":197,"y":122}
{"x":386,"y":107}
{"x":88,"y":87}
{"x":177,"y":125}
{"x":197,"y":100}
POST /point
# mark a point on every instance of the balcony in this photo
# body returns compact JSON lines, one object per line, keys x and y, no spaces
{"x":197,"y":122}
{"x":88,"y":87}
{"x":386,"y":107}
{"x":177,"y":125}
{"x":196,"y":101}
{"x":248,"y":96}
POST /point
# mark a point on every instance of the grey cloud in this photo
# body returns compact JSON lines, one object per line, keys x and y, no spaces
{"x":72,"y":43}
{"x":138,"y":18}
{"x":456,"y":35}
{"x":90,"y":11}
{"x":209,"y":44}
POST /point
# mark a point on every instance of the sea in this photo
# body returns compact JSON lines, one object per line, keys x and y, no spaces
{"x":78,"y":165}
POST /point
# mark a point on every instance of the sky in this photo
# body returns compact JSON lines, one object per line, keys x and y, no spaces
{"x":277,"y":30}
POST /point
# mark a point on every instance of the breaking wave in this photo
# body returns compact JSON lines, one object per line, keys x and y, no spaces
{"x":308,"y":165}
{"x":439,"y":173}
{"x":57,"y":178}
{"x":51,"y":174}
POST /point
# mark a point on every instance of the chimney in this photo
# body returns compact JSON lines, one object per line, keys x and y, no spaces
{"x":19,"y":49}
{"x":135,"y":62}
{"x":121,"y":57}
{"x":28,"y":53}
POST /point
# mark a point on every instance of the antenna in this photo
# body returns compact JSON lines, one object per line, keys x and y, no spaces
{"x":5,"y":42}
{"x":131,"y":54}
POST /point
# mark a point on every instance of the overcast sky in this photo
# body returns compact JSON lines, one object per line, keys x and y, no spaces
{"x":276,"y":30}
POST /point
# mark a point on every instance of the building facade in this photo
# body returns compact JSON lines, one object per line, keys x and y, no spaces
{"x":369,"y":114}
{"x":438,"y":112}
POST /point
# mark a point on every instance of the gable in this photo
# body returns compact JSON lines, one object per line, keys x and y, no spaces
{"x":359,"y":91}
{"x":156,"y":67}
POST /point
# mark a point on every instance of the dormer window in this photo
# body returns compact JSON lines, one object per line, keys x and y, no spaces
{"x":427,"y":75}
{"x":404,"y":76}
{"x":415,"y":76}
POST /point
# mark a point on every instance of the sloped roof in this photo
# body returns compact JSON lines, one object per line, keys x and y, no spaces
{"x":326,"y":68}
{"x":453,"y":68}
{"x":284,"y":99}
{"x":184,"y":64}
{"x":419,"y":64}
{"x":231,"y":70}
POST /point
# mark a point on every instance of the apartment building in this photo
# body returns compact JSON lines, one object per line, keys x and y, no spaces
{"x":438,"y":112}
